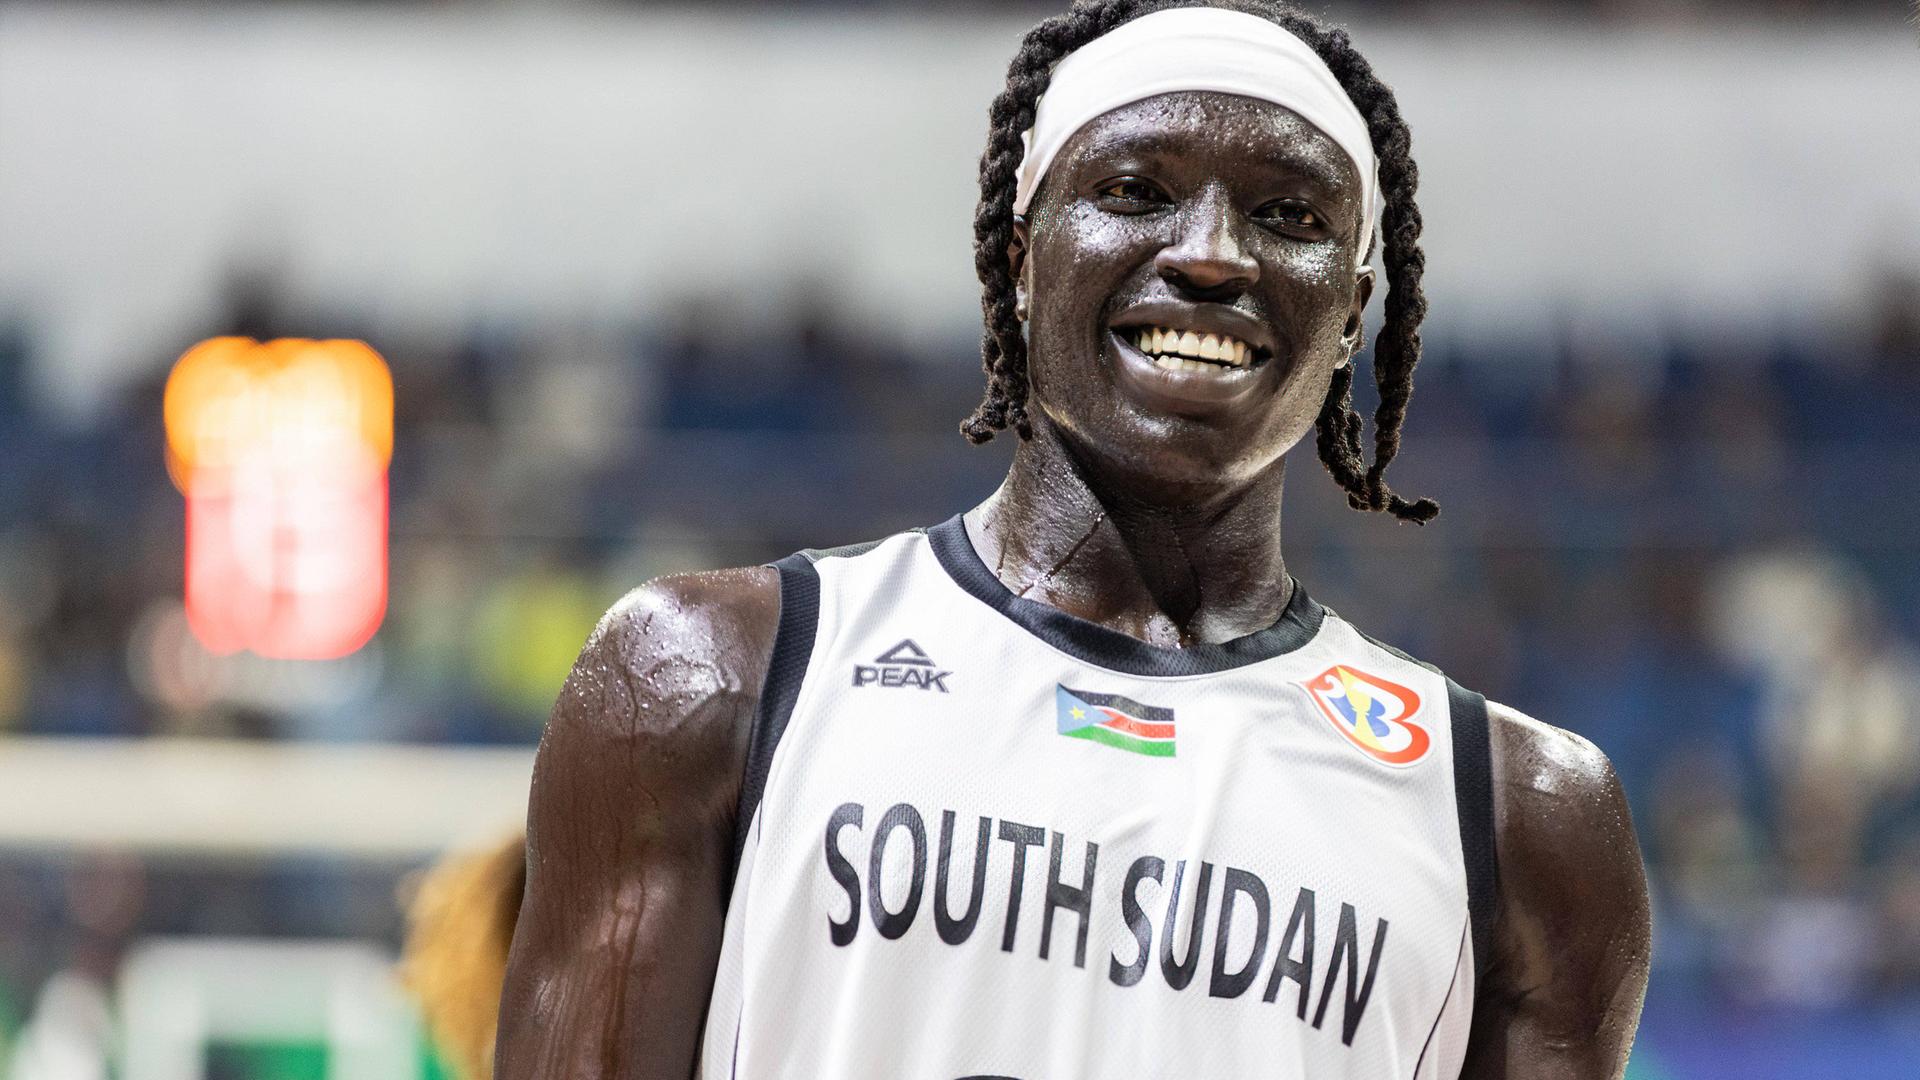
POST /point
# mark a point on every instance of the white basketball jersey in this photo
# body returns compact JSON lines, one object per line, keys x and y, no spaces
{"x":981,"y":838}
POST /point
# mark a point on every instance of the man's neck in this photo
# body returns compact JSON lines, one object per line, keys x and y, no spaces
{"x":1188,"y":567}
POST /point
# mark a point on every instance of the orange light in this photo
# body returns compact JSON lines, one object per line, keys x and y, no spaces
{"x":281,"y":450}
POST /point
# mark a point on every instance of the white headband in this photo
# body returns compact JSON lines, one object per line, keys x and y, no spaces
{"x":1196,"y":48}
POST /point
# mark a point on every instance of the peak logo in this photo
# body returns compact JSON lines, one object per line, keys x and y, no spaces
{"x":906,"y":664}
{"x":1371,"y":713}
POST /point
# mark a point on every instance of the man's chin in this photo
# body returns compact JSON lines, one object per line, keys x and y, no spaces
{"x":1170,"y":460}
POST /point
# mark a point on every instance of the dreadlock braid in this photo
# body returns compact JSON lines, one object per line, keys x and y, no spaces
{"x":1003,"y":346}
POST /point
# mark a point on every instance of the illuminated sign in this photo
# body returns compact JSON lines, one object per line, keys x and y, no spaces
{"x":281,"y":450}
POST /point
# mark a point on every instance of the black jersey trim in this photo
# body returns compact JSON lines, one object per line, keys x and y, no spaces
{"x":845,"y":551}
{"x":1421,"y":1062}
{"x":1111,"y":649}
{"x":1444,"y":1002}
{"x":1473,"y":803}
{"x":1388,"y":649}
{"x":786,"y":669}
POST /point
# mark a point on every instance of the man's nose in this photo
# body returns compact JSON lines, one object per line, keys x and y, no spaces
{"x":1207,"y":258}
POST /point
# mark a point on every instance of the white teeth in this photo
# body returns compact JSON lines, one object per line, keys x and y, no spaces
{"x":1177,"y":350}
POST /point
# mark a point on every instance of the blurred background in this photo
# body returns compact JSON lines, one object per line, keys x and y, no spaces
{"x":654,"y":289}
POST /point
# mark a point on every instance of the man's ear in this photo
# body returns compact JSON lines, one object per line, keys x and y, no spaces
{"x":1363,"y":281}
{"x":1017,"y":266}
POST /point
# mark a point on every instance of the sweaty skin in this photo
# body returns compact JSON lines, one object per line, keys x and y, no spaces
{"x":1147,"y":504}
{"x":630,"y":833}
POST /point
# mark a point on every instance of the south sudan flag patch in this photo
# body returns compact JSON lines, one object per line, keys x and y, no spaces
{"x":1112,"y":720}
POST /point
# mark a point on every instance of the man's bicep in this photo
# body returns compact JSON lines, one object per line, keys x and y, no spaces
{"x":1561,"y":996}
{"x":630,"y":835}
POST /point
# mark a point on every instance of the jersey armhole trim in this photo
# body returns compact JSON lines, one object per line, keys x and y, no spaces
{"x":1473,"y":802}
{"x":1447,"y":999}
{"x":786,"y":670}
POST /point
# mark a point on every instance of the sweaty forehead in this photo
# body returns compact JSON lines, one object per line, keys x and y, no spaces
{"x":1217,"y":133}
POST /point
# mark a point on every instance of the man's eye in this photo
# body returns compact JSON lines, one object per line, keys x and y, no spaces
{"x":1298,"y":215}
{"x":1134,"y":190}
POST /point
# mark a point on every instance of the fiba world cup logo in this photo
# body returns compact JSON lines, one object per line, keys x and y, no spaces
{"x":1372,"y":713}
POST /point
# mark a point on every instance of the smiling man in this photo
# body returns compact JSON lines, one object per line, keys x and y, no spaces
{"x":1082,"y":783}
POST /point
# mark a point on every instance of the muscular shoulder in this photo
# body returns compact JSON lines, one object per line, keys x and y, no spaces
{"x":688,"y":633}
{"x":1549,"y":780}
{"x":659,"y":706}
{"x":1572,"y":934}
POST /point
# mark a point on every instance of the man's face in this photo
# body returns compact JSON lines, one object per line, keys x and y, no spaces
{"x":1165,"y":223}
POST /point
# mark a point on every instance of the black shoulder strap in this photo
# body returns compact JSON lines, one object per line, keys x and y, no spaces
{"x":845,"y":551}
{"x":792,"y":646}
{"x":1473,"y":799}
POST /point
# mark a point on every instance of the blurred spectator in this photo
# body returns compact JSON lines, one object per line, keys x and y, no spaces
{"x":1896,"y":330}
{"x":1841,"y":715}
{"x":70,"y":1034}
{"x":1899,"y":912}
{"x":1713,"y":859}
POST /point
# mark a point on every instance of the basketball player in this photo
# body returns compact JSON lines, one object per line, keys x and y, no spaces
{"x":1082,"y":783}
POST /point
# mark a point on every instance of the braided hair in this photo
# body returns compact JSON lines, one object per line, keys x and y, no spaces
{"x":1003,"y":347}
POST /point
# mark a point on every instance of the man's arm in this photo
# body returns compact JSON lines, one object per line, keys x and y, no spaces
{"x":1561,"y":996}
{"x":630,"y":834}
